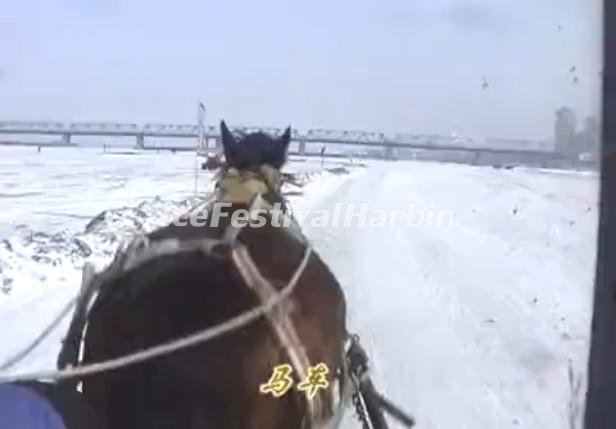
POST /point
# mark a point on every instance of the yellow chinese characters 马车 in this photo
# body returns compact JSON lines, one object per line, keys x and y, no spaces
{"x":280,"y":382}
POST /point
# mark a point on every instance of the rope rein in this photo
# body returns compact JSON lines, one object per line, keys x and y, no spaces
{"x":140,"y":251}
{"x":137,"y":253}
{"x":368,"y":403}
{"x":19,"y":356}
{"x":199,"y":337}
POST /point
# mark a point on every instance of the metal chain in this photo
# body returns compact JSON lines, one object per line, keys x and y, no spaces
{"x":365,"y":391}
{"x":360,"y":411}
{"x":358,"y":367}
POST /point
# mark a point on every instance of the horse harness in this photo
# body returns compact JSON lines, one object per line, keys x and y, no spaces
{"x":352,"y":382}
{"x":368,"y":403}
{"x":234,"y":187}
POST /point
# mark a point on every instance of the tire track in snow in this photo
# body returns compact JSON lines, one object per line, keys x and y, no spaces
{"x":445,"y":312}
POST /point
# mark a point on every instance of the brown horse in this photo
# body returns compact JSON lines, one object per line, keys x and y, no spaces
{"x":217,"y":384}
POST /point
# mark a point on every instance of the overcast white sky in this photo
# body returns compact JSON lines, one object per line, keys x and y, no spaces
{"x":383,"y":65}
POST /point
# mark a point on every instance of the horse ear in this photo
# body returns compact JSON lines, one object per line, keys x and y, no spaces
{"x":228,"y":140}
{"x":285,"y":138}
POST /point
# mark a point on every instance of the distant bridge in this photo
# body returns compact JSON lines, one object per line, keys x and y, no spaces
{"x":315,"y":136}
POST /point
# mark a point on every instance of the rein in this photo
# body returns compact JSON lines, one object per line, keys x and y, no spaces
{"x":236,"y":187}
{"x":130,"y":260}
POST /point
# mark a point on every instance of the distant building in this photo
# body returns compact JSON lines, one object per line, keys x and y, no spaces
{"x":588,"y":140}
{"x":565,"y":132}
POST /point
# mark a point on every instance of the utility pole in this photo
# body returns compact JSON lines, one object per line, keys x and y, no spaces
{"x":201,"y":129}
{"x":200,"y":142}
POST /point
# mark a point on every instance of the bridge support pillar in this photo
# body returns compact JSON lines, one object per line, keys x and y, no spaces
{"x":140,"y":141}
{"x":302,"y":147}
{"x":66,"y":138}
{"x":218,"y":144}
{"x":476,"y":158}
{"x":389,"y":152}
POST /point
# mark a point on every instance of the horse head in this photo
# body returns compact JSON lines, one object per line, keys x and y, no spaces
{"x":252,"y":164}
{"x":254,"y":150}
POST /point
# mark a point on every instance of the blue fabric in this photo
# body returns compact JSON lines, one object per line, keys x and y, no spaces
{"x":23,"y":408}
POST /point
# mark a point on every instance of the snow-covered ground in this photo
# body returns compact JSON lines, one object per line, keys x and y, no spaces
{"x":470,"y":324}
